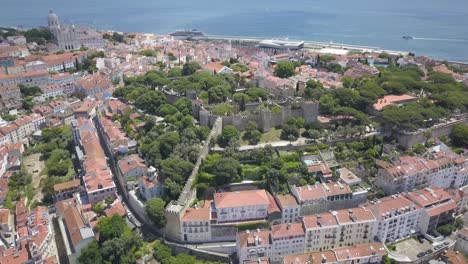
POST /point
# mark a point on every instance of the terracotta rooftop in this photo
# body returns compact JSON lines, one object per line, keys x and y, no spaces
{"x":242,"y":198}
{"x":131,"y":162}
{"x":286,"y":200}
{"x":360,"y":251}
{"x":73,"y":220}
{"x":251,"y":238}
{"x":23,"y":75}
{"x":116,"y":208}
{"x":213,"y":67}
{"x":284,"y":230}
{"x":4,"y":216}
{"x":392,"y":203}
{"x":315,"y":257}
{"x":392,"y":99}
{"x":66,"y":185}
{"x":442,"y":208}
{"x":196,"y":214}
{"x":354,"y":215}
{"x":428,"y":196}
{"x":455,"y":257}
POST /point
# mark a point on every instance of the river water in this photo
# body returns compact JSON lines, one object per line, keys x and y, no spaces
{"x":439,"y":28}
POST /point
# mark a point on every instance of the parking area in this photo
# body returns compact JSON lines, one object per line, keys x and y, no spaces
{"x":415,"y":250}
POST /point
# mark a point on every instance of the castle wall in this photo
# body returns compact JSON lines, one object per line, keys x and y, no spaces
{"x":408,"y":139}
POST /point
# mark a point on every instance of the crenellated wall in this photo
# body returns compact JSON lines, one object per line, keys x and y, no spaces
{"x":265,"y":119}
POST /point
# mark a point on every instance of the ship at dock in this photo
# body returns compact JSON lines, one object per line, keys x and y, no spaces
{"x":187,"y":34}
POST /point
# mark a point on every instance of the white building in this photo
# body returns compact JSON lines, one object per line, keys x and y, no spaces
{"x":241,"y":206}
{"x":443,"y":169}
{"x":339,"y":229}
{"x":371,"y":253}
{"x":252,"y":245}
{"x":39,"y":78}
{"x":397,"y":217}
{"x":438,"y":207}
{"x":462,"y":241}
{"x":290,"y":209}
{"x":286,"y":239}
{"x":196,"y":226}
{"x":323,"y":197}
{"x":71,"y":37}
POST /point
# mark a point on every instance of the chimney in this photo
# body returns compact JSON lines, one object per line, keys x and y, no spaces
{"x":289,"y":226}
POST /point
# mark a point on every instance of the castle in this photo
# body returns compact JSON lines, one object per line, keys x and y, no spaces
{"x":71,"y":37}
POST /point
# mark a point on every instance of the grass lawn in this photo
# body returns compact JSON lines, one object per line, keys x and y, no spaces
{"x":271,"y":136}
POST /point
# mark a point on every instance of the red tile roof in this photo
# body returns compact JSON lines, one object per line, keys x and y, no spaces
{"x":285,"y":230}
{"x":196,"y":214}
{"x":242,"y":198}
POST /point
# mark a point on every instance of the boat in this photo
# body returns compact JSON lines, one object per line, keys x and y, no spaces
{"x":407,"y":37}
{"x":187,"y":34}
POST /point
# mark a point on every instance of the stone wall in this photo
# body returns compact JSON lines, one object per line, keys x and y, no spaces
{"x":199,"y":253}
{"x":408,"y":139}
{"x":176,"y":209}
{"x":265,"y":120}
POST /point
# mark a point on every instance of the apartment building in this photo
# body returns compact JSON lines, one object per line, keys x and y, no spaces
{"x":462,"y":241}
{"x":339,"y":228}
{"x":79,"y":232}
{"x":10,"y":96}
{"x":66,"y":190}
{"x":286,"y":239}
{"x":22,"y":128}
{"x":252,"y":245}
{"x":37,"y":78}
{"x":438,"y":207}
{"x":93,"y":84}
{"x":371,"y":253}
{"x":442,"y":169}
{"x":241,"y":206}
{"x":196,"y":225}
{"x":397,"y":217}
{"x":323,"y":197}
{"x":290,"y":208}
{"x":97,"y":176}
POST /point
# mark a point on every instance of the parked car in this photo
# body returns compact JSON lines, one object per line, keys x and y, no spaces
{"x":446,"y":243}
{"x":429,"y":251}
{"x":421,"y":254}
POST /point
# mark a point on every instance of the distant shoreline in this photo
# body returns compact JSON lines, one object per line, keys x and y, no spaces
{"x":355,"y":47}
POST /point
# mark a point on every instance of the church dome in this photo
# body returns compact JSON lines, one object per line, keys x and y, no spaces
{"x":52,"y":18}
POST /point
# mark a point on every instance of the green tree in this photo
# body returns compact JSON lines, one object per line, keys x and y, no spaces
{"x":91,"y":254}
{"x":459,"y":135}
{"x":190,"y":68}
{"x":228,"y":134}
{"x":256,"y":93}
{"x":218,"y":94}
{"x":155,"y":210}
{"x":327,"y":104}
{"x":98,"y":208}
{"x":59,"y":162}
{"x":29,"y":90}
{"x":111,"y":227}
{"x":174,"y":72}
{"x":176,"y":169}
{"x":445,"y":230}
{"x":252,"y":134}
{"x":226,"y":170}
{"x":161,"y":252}
{"x":284,"y":69}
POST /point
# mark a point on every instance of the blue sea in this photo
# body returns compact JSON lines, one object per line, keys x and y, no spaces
{"x":439,"y":28}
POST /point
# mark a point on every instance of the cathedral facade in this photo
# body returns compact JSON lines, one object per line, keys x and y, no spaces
{"x":70,"y":37}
